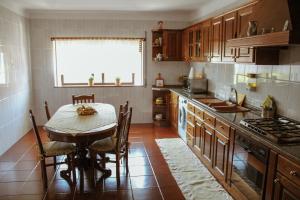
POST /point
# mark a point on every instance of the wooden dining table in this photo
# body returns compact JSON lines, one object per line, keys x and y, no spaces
{"x":66,"y":125}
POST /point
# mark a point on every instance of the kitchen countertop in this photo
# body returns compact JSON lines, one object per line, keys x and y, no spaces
{"x":292,"y":151}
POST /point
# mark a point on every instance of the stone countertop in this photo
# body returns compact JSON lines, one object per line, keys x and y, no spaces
{"x":292,"y":151}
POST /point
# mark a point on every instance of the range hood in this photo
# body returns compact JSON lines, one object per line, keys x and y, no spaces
{"x":272,"y":14}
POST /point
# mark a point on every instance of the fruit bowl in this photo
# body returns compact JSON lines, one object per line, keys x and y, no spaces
{"x":86,"y":110}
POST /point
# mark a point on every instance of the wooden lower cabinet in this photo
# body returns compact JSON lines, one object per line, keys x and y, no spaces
{"x":220,"y":158}
{"x":174,"y":110}
{"x":284,"y":189}
{"x":208,"y":142}
{"x":198,"y":136}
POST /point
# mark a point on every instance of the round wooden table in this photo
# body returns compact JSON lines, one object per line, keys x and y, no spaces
{"x":67,"y":126}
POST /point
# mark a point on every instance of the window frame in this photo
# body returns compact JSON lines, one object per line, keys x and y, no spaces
{"x":59,"y":82}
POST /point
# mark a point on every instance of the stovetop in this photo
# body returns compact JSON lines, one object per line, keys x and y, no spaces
{"x":280,"y":130}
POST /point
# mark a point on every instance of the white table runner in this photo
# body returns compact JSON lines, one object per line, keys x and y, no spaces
{"x":67,"y":120}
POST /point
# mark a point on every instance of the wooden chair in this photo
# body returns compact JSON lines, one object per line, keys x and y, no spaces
{"x":114,"y":145}
{"x":47,"y":111}
{"x":48,"y":118}
{"x":53,"y":149}
{"x":83,"y":99}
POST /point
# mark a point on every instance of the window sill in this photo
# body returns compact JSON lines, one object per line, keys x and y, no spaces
{"x":97,"y":86}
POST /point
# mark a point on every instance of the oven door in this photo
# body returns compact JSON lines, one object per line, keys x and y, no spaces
{"x":249,"y":167}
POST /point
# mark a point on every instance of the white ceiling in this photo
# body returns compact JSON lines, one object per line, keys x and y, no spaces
{"x":188,"y":9}
{"x":111,"y":5}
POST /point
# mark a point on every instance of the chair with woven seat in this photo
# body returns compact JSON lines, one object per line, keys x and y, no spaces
{"x":53,"y":149}
{"x":83,"y":99}
{"x":47,"y":111}
{"x":117,"y":145}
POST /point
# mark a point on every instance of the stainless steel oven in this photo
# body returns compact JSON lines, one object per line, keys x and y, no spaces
{"x":249,"y":166}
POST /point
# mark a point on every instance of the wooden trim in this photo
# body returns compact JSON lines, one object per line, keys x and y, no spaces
{"x":270,"y":39}
{"x":96,"y":38}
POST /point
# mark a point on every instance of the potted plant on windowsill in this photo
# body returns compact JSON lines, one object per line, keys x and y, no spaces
{"x":118,"y":81}
{"x":91,"y":80}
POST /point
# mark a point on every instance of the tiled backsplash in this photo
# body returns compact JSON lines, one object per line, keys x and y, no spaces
{"x":280,"y":81}
{"x":15,"y":75}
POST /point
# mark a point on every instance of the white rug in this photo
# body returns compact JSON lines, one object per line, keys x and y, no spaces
{"x":192,"y":177}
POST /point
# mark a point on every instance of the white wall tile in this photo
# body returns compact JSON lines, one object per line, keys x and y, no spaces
{"x":15,"y":95}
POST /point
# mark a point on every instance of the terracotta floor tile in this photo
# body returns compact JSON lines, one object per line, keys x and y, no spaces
{"x":4,"y":166}
{"x":59,"y":196}
{"x":10,"y":188}
{"x":137,"y":152}
{"x":118,"y":195}
{"x":25,"y":165}
{"x":172,"y":193}
{"x":138,"y":161}
{"x":22,"y":197}
{"x":147,"y":194}
{"x":12,"y":176}
{"x":165,"y":180}
{"x":143,"y":182}
{"x":32,"y":187}
{"x":60,"y":186}
{"x":110,"y":184}
{"x":140,"y":170}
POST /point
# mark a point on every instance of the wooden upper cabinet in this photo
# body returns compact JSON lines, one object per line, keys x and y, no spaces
{"x":229,"y":32}
{"x":244,"y":55}
{"x":197,"y":43}
{"x":216,"y":40}
{"x":172,"y":45}
{"x":185,"y":45}
{"x":205,"y":42}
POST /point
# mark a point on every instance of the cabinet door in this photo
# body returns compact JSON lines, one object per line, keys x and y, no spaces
{"x":172,"y":45}
{"x":221,"y":145}
{"x":198,"y":145}
{"x":205,"y":32}
{"x":185,"y":45}
{"x":191,"y":43}
{"x":284,"y":189}
{"x":229,"y":32}
{"x":197,"y":42}
{"x":216,"y":41}
{"x":174,"y":110}
{"x":208,"y":137}
{"x":244,"y":54}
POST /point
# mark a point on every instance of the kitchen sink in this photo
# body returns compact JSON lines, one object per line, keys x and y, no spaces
{"x":222,"y":106}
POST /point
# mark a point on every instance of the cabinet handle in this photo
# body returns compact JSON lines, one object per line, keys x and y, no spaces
{"x":276,"y":180}
{"x":208,"y":119}
{"x":293,"y":173}
{"x":221,"y":127}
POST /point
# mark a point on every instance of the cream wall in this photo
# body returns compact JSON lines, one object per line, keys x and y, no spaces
{"x":15,"y":94}
{"x":42,"y":64}
{"x":280,"y":81}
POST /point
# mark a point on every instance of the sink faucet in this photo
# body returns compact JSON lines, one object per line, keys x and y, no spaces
{"x":233,"y":95}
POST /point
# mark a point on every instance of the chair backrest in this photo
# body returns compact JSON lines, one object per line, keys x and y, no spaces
{"x":36,"y":133}
{"x":47,"y":111}
{"x":123,"y":130}
{"x":83,"y":99}
{"x":123,"y":108}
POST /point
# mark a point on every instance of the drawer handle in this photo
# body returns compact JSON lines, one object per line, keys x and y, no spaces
{"x":276,"y":180}
{"x":293,"y":173}
{"x":222,"y":127}
{"x":208,"y":119}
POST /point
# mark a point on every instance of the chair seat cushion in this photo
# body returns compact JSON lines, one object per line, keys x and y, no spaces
{"x":104,"y":145}
{"x":54,"y":148}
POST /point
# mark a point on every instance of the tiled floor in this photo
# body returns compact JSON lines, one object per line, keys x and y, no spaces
{"x":148,"y":178}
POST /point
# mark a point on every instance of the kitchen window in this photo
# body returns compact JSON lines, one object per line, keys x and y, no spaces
{"x":104,"y":60}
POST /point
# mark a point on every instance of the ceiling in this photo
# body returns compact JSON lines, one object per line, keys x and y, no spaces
{"x":185,"y":8}
{"x":112,"y":5}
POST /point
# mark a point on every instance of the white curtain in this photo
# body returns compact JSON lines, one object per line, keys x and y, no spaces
{"x":78,"y":59}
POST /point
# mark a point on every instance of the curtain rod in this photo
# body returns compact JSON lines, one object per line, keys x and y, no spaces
{"x":96,"y":38}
